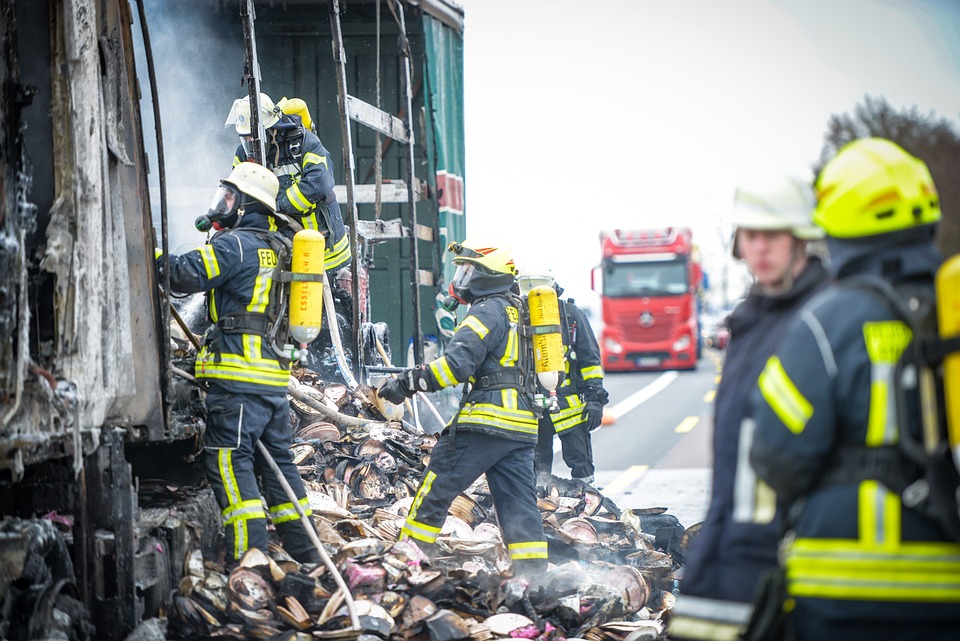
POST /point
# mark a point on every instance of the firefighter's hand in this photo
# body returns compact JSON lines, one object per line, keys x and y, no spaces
{"x":592,"y":414}
{"x":395,"y":391}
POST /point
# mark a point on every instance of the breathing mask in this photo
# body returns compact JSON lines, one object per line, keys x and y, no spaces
{"x":460,"y":285}
{"x":224,"y":210}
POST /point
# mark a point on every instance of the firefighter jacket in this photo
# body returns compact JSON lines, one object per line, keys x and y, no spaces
{"x":583,"y":375}
{"x":855,"y":550}
{"x":305,"y":170}
{"x":236,"y":269}
{"x":485,"y":353}
{"x":740,"y":534}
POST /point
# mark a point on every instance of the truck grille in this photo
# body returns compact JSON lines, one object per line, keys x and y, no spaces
{"x":633,"y":331}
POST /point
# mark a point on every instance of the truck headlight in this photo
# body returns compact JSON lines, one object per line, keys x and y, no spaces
{"x":681,"y":343}
{"x":612,"y":346}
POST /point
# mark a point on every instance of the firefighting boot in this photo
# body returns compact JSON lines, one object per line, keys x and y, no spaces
{"x":529,"y":568}
{"x":587,"y":480}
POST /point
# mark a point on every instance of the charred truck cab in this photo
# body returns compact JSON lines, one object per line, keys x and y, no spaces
{"x":648,"y":282}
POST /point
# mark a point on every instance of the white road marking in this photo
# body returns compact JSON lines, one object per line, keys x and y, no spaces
{"x":633,"y":401}
{"x":643,"y":395}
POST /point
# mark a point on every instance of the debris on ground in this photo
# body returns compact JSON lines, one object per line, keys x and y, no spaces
{"x":611,"y":576}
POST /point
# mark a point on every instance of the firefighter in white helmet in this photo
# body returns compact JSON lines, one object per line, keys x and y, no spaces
{"x":739,"y":537}
{"x":581,"y":394}
{"x":246,"y":398}
{"x":305,"y":171}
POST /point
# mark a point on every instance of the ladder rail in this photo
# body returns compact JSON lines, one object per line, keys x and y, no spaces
{"x":411,"y":200}
{"x":340,"y":57}
{"x":351,"y":108}
{"x":252,"y":77}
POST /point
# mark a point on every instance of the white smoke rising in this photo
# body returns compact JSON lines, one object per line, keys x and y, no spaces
{"x":198,"y":56}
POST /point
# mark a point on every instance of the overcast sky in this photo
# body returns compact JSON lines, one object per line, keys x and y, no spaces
{"x":582,"y":116}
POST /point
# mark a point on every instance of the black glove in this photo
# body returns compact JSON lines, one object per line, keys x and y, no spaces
{"x":592,"y":414}
{"x":395,"y":391}
{"x":405,"y":385}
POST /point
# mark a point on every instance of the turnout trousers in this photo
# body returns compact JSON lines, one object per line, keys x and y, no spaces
{"x":576,"y":448}
{"x":456,"y":462}
{"x":235,"y":422}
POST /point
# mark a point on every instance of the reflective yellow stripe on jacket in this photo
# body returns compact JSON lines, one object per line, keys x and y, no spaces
{"x":570,"y":417}
{"x":790,"y":406}
{"x":251,"y":366}
{"x":338,"y":254}
{"x":490,"y":415}
{"x":878,"y":566}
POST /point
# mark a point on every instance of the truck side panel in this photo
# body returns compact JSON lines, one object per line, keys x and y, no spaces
{"x":84,"y":254}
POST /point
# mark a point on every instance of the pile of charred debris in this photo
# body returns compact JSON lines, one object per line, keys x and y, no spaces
{"x":611,"y":576}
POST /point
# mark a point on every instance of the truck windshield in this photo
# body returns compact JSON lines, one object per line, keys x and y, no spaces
{"x":645,"y":279}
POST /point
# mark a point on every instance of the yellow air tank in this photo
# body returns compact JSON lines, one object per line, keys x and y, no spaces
{"x":948,"y":319}
{"x":296,"y":107}
{"x":547,"y":340}
{"x":306,"y":286}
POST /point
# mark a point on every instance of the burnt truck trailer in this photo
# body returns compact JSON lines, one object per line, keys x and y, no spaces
{"x":100,"y":496}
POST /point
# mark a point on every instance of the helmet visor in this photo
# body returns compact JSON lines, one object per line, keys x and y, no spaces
{"x":463,"y":275}
{"x":225,"y":202}
{"x":247,"y":143}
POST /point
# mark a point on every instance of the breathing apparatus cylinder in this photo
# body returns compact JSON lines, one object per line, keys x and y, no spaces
{"x":306,"y":294}
{"x":297,"y":107}
{"x":547,"y":342}
{"x":948,"y":320}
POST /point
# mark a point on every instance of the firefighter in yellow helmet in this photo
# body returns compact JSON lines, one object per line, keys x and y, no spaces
{"x":862,"y":560}
{"x":495,"y":429}
{"x":305,"y":171}
{"x":246,"y":382}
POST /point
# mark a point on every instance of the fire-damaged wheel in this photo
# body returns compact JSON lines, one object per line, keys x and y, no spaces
{"x":37,"y":585}
{"x":59,"y":614}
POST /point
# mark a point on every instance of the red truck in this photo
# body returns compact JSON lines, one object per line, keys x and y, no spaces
{"x":649,"y":281}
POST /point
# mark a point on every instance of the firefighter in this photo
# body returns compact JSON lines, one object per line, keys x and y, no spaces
{"x":246,"y":397}
{"x":495,"y":430}
{"x":738,"y":540}
{"x":860,"y":562}
{"x":581,"y":394}
{"x":305,"y":170}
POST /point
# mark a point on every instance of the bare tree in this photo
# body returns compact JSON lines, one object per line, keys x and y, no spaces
{"x":933,"y":139}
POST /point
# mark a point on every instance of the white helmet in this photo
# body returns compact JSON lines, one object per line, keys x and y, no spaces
{"x":535,"y":276}
{"x":775,"y":201}
{"x":255,"y":181}
{"x":239,"y":115}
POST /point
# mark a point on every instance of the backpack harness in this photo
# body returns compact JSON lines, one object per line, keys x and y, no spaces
{"x":923,"y":474}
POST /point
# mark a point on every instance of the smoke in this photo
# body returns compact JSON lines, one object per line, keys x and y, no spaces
{"x":198,"y":56}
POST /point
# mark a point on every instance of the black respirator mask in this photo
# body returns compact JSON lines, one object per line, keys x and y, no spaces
{"x":224,"y":212}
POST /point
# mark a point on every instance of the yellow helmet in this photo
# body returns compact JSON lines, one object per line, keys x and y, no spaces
{"x":483,"y":268}
{"x":239,"y":115}
{"x":492,"y":258}
{"x":872,"y":186}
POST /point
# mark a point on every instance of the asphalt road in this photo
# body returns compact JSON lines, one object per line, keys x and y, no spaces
{"x":656,"y":453}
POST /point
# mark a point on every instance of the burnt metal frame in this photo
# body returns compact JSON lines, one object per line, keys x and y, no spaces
{"x":352,"y":108}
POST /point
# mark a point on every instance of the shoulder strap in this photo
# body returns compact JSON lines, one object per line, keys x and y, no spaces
{"x":934,"y":486}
